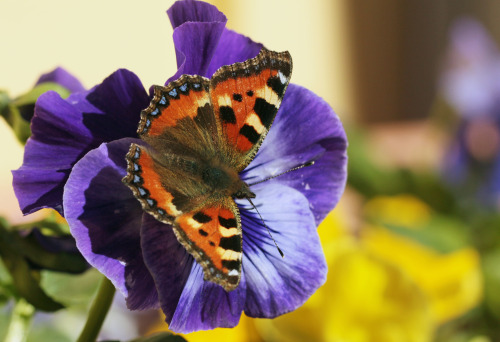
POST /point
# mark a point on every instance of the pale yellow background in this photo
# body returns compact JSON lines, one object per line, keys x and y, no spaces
{"x":93,"y":38}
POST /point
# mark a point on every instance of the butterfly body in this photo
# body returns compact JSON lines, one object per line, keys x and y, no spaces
{"x":198,"y":135}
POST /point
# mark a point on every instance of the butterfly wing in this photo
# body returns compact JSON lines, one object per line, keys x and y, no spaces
{"x":165,"y":190}
{"x":246,"y":97}
{"x":180,"y":131}
{"x":180,"y":119}
{"x":207,"y":226}
{"x":212,"y":234}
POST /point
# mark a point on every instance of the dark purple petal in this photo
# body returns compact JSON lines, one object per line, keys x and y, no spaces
{"x":305,"y":129}
{"x":277,"y":285}
{"x":189,"y":302}
{"x":204,"y":305}
{"x":197,"y":30}
{"x":190,"y":11}
{"x":232,"y":48}
{"x":56,"y":143}
{"x":202,"y":42}
{"x":64,"y":130}
{"x":105,"y":219}
{"x":63,"y":78}
{"x":168,"y":262}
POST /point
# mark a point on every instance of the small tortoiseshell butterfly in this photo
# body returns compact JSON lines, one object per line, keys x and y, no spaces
{"x":200,"y":134}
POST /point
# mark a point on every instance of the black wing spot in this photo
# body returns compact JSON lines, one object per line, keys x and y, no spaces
{"x":265,"y":110}
{"x":201,"y":217}
{"x":250,"y":133}
{"x":250,"y":93}
{"x":227,"y":114}
{"x":202,"y":232}
{"x":275,"y":84}
{"x":231,"y":264}
{"x":227,"y":223}
{"x":237,"y":97}
{"x":232,"y":243}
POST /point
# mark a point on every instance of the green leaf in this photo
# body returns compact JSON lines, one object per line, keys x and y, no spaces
{"x":20,"y":126}
{"x":18,"y":112}
{"x":441,"y":233}
{"x":4,"y":101}
{"x":491,"y":269}
{"x":49,"y":225}
{"x":25,"y":280}
{"x":31,"y":96}
{"x":71,"y":290}
{"x":61,"y":262}
{"x":7,"y":290}
{"x":370,"y":179}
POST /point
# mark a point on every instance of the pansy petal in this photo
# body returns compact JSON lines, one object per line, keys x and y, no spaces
{"x":63,"y":78}
{"x":105,"y":219}
{"x":188,"y":302}
{"x":198,"y":27}
{"x":49,"y":154}
{"x":167,"y":260}
{"x":277,"y":285}
{"x":112,"y":109}
{"x":232,"y":48}
{"x":204,"y":305}
{"x":202,"y":42}
{"x":64,"y":130}
{"x":295,"y":139}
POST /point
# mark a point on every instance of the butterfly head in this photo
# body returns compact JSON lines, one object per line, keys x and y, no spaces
{"x":243,"y":192}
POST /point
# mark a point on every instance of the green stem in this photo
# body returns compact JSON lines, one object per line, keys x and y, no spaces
{"x":98,"y":311}
{"x":20,"y":321}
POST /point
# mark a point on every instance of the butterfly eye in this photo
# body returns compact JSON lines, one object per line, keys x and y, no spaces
{"x":239,"y":195}
{"x":244,"y":193}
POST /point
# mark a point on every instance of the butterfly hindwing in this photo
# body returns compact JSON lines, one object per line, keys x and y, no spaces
{"x":246,"y":97}
{"x":207,"y":225}
{"x":212,"y":234}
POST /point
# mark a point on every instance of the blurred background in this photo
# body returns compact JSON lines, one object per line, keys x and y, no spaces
{"x":414,"y":245}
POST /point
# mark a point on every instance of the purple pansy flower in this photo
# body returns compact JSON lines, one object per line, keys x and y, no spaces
{"x":471,"y":84}
{"x":75,"y":161}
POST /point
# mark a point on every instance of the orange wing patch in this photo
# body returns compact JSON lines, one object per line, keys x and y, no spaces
{"x":246,"y":97}
{"x":212,"y":235}
{"x":181,"y":98}
{"x":147,"y":186}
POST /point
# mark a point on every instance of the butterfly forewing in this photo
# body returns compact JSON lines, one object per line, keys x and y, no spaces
{"x":167,"y":189}
{"x":180,"y":118}
{"x":246,"y":97}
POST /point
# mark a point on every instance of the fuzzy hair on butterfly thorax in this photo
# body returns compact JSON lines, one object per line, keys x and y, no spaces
{"x":198,"y":134}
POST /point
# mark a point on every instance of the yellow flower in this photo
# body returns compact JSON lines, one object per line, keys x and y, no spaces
{"x":401,"y":210}
{"x":452,"y":282}
{"x":365,"y":299}
{"x":381,"y":287}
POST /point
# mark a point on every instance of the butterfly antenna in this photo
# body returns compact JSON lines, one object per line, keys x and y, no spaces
{"x":253,"y":205}
{"x":280,"y":174}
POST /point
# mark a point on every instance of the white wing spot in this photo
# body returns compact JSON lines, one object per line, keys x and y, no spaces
{"x":282,"y":77}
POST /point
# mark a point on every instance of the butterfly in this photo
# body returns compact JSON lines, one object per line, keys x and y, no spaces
{"x":198,"y":135}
